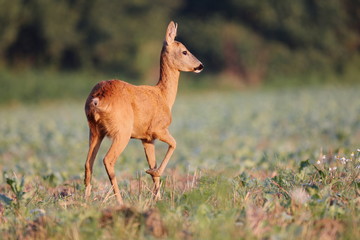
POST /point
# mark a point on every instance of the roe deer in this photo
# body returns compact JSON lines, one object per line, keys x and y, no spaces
{"x":122,"y":111}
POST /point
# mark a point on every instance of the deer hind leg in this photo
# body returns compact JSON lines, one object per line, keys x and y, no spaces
{"x":95,"y":140}
{"x":149,"y":148}
{"x":167,"y":138}
{"x":117,"y":147}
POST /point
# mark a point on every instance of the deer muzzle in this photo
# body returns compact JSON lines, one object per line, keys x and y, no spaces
{"x":199,"y":68}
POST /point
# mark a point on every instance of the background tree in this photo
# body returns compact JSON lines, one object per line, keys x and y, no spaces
{"x":248,"y":40}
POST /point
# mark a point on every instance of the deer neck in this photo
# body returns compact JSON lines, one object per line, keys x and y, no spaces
{"x":168,"y":82}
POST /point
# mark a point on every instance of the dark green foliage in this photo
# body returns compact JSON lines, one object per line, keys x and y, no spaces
{"x":304,"y":164}
{"x":80,"y":34}
{"x":17,"y":189}
{"x":5,"y":199}
{"x":272,"y":39}
{"x":250,"y":41}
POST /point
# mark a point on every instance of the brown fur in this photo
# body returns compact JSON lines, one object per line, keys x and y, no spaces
{"x":122,"y":111}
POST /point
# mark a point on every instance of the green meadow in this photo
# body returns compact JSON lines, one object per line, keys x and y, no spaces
{"x":256,"y":164}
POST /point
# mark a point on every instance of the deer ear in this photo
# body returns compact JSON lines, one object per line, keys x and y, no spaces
{"x":171,"y":33}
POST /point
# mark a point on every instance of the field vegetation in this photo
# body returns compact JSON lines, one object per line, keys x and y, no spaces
{"x":268,"y":164}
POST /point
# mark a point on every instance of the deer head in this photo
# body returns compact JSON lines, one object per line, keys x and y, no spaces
{"x":177,"y":55}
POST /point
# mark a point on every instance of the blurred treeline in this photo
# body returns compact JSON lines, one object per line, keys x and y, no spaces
{"x":249,"y":41}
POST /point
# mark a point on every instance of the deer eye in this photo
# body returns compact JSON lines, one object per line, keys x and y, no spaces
{"x":185,"y":52}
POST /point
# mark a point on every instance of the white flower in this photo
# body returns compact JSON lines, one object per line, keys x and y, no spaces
{"x":358,"y":149}
{"x":299,"y":195}
{"x":324,"y":157}
{"x":318,"y":162}
{"x":330,"y":169}
{"x":38,"y":212}
{"x":352,"y":154}
{"x":334,"y":168}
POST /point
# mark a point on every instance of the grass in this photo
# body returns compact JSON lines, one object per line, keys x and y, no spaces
{"x":268,"y":164}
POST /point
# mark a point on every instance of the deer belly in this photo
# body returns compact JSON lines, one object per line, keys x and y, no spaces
{"x":140,"y":130}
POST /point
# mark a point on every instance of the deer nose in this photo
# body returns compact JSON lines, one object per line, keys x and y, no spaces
{"x":199,"y":68}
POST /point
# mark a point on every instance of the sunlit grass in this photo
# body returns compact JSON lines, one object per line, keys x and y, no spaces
{"x":260,"y":164}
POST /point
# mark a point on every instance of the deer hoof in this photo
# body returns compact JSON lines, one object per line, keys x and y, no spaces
{"x":153,"y":172}
{"x":87,"y":191}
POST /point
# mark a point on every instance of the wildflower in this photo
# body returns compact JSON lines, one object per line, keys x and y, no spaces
{"x":318,"y":162}
{"x":334,"y":168}
{"x":358,"y":149}
{"x":352,"y":154}
{"x":299,"y":195}
{"x":38,"y":212}
{"x":324,"y":157}
{"x":330,"y":169}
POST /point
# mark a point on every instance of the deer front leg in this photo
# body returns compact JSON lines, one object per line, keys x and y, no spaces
{"x":167,"y":138}
{"x":149,"y":148}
